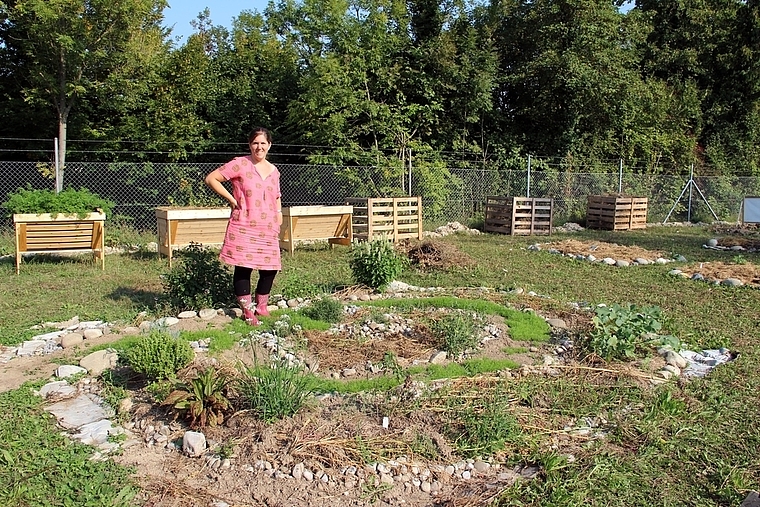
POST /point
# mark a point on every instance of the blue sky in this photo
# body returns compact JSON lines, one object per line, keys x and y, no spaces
{"x":181,"y":12}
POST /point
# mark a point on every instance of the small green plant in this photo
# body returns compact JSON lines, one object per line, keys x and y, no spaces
{"x":483,"y":426}
{"x":424,"y":446}
{"x":375,"y":263}
{"x":739,"y":259}
{"x":203,"y":400}
{"x":457,"y":332}
{"x":198,"y":280}
{"x":326,"y":309}
{"x":621,"y":330}
{"x":67,"y":202}
{"x":274,"y":391}
{"x":159,"y":355}
{"x":297,"y":285}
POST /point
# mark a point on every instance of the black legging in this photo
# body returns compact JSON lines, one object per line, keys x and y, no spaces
{"x":241,"y":281}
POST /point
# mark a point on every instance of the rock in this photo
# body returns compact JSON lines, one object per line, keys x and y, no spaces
{"x":193,"y":443}
{"x":642,"y":261}
{"x":298,"y":470}
{"x":59,"y":388}
{"x":188,"y":314}
{"x":166,"y":322}
{"x":76,"y":412}
{"x":675,"y":370}
{"x":732,"y":282}
{"x":99,"y":361}
{"x":125,"y":405}
{"x":91,"y":334}
{"x":752,"y":500}
{"x":557,"y":323}
{"x":609,"y":261}
{"x":438,"y":357}
{"x":712,"y":242}
{"x":67,"y":370}
{"x":207,"y":314}
{"x":71,"y":340}
{"x":675,"y":359}
{"x":622,"y":263}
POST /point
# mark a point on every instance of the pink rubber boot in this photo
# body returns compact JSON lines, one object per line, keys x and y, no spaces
{"x":248,"y":313}
{"x":262,"y":301}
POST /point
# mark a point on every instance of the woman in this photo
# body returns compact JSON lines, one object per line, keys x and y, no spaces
{"x":252,"y":237}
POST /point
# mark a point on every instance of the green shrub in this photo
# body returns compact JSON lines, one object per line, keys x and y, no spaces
{"x":326,"y":309}
{"x":198,"y":280}
{"x":159,"y":355}
{"x":375,"y":263}
{"x":457,"y":333}
{"x":621,"y":330}
{"x":67,"y":202}
{"x":274,"y":392}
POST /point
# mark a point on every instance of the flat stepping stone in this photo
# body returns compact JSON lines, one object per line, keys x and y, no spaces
{"x":76,"y":412}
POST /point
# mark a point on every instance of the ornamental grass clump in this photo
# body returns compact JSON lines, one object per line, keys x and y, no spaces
{"x":274,"y":391}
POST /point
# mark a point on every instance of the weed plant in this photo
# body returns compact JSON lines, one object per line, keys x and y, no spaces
{"x":198,"y":280}
{"x":620,"y":331}
{"x":159,"y":355}
{"x":203,"y":400}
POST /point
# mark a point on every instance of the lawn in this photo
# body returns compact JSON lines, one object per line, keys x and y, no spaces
{"x":684,"y":442}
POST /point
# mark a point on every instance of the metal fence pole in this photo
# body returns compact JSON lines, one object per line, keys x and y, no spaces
{"x":620,"y":177}
{"x":528,"y":183}
{"x":58,"y":179}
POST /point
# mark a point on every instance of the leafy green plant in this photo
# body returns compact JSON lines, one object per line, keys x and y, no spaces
{"x":739,"y":259}
{"x":457,"y":332}
{"x":482,"y":426}
{"x":274,"y":391}
{"x":326,"y":309}
{"x":621,"y":330}
{"x":203,"y":400}
{"x":159,"y":355}
{"x":375,"y":263}
{"x":67,"y":202}
{"x":296,"y":284}
{"x":198,"y":280}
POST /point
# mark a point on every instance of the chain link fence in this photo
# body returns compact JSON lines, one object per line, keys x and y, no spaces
{"x":138,"y":188}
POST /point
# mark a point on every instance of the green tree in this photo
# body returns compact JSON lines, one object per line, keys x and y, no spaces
{"x":68,"y":48}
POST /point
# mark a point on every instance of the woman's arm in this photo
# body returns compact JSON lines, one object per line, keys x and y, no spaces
{"x":214,"y":181}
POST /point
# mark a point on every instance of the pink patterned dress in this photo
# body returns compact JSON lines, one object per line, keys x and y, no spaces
{"x":252,"y":237}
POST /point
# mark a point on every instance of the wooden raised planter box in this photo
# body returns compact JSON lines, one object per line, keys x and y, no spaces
{"x":315,"y":223}
{"x":45,"y":233}
{"x":616,"y":213}
{"x":396,"y":218}
{"x":519,"y":216}
{"x":180,"y":226}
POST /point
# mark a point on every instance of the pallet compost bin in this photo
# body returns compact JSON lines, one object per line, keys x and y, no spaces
{"x":395,"y":217}
{"x":47,"y":233}
{"x":519,"y":216}
{"x":180,"y":226}
{"x":315,"y":223}
{"x":616,"y":213}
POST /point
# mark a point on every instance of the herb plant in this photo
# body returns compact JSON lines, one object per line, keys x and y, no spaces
{"x":199,"y":280}
{"x":67,"y":202}
{"x":375,"y":263}
{"x":159,"y":355}
{"x":203,"y":400}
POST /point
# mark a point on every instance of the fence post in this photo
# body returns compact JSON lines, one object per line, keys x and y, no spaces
{"x":528,"y":184}
{"x":691,"y":180}
{"x":58,"y":179}
{"x":620,"y":177}
{"x":410,"y":172}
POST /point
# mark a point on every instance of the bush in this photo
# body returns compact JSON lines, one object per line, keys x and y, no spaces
{"x":159,"y":355}
{"x":67,"y":202}
{"x":198,"y":280}
{"x":326,"y":309}
{"x":375,"y":263}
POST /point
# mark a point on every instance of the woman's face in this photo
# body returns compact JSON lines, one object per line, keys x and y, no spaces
{"x":260,"y":147}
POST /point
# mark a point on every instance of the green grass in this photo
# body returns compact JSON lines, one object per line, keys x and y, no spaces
{"x":683,"y":443}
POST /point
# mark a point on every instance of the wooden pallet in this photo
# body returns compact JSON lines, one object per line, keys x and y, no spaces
{"x":45,"y":233}
{"x":396,"y":218}
{"x":315,"y":223}
{"x":616,"y":213}
{"x":180,"y":226}
{"x":519,"y":216}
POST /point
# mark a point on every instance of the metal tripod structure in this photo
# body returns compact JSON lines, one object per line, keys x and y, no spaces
{"x":690,"y":185}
